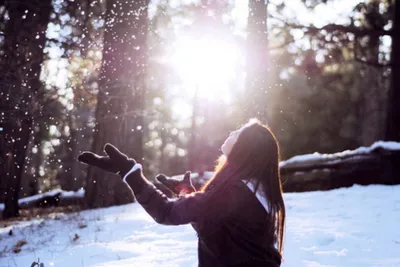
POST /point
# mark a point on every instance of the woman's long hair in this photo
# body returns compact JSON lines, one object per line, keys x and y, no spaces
{"x":255,"y":156}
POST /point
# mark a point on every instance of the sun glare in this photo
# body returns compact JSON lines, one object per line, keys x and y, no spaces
{"x":205,"y":65}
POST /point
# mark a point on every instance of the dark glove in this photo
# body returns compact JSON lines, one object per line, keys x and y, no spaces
{"x":179,"y":187}
{"x":116,"y":161}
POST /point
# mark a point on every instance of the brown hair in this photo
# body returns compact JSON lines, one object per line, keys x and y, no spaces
{"x":255,"y":156}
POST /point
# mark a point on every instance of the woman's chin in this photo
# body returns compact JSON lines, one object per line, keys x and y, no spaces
{"x":223,"y":149}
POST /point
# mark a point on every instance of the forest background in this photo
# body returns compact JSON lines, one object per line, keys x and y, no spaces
{"x":166,"y":80}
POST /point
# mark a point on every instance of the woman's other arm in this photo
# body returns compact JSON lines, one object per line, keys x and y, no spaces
{"x":186,"y":209}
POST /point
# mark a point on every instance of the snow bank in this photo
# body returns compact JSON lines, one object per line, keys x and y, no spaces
{"x":71,"y":194}
{"x":348,"y":227}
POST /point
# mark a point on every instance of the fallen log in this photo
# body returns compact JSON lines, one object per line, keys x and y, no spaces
{"x":54,"y":198}
{"x":378,"y":164}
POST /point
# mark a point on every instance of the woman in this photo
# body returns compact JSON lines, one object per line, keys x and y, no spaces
{"x":239,"y":215}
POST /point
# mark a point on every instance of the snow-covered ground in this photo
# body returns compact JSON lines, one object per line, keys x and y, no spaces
{"x":350,"y":227}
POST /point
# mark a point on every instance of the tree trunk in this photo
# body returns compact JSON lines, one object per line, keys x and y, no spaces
{"x":119,"y":118}
{"x":372,"y":96}
{"x":70,"y":175}
{"x":192,"y":146}
{"x":393,"y":118}
{"x":38,"y":160}
{"x":27,"y":177}
{"x":24,"y":40}
{"x":257,"y":60}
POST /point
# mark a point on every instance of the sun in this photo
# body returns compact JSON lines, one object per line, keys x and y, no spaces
{"x":205,"y":66}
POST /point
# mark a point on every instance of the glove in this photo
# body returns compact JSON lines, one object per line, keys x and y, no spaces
{"x":115,"y":161}
{"x":179,"y":187}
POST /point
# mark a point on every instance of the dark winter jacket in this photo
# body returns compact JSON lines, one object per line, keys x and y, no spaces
{"x":230,"y":222}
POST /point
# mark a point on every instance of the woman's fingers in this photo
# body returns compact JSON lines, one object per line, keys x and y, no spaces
{"x":102,"y":162}
{"x":161,"y":177}
{"x":170,"y":183}
{"x":186,"y":178}
{"x":88,"y":158}
{"x":177,"y":186}
{"x":119,"y":159}
{"x":114,"y":153}
{"x":188,"y":182}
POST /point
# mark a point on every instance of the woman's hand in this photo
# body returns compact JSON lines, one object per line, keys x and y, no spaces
{"x":179,"y":187}
{"x":115,"y":161}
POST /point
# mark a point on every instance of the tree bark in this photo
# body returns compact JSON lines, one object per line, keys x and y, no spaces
{"x":192,"y":146}
{"x":119,"y":118}
{"x":257,"y":60}
{"x":373,"y":96}
{"x":20,"y":67}
{"x":393,"y":118}
{"x":69,"y":175}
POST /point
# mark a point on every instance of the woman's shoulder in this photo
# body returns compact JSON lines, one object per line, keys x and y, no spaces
{"x":232,"y":188}
{"x":238,"y":187}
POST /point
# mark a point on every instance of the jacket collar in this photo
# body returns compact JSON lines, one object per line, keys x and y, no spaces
{"x":259,"y":194}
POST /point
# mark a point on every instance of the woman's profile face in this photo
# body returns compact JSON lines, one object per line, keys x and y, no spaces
{"x":230,"y":142}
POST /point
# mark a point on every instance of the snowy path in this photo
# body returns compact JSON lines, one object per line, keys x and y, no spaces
{"x":352,"y":227}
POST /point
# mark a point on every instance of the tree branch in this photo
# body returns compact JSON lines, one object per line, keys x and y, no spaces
{"x":357,"y":31}
{"x":282,"y":45}
{"x":367,"y":62}
{"x":342,"y":28}
{"x":373,"y":63}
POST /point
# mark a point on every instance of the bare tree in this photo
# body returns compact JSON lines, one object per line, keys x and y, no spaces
{"x":393,"y":118}
{"x":119,"y":118}
{"x":257,"y":59}
{"x":20,"y":66}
